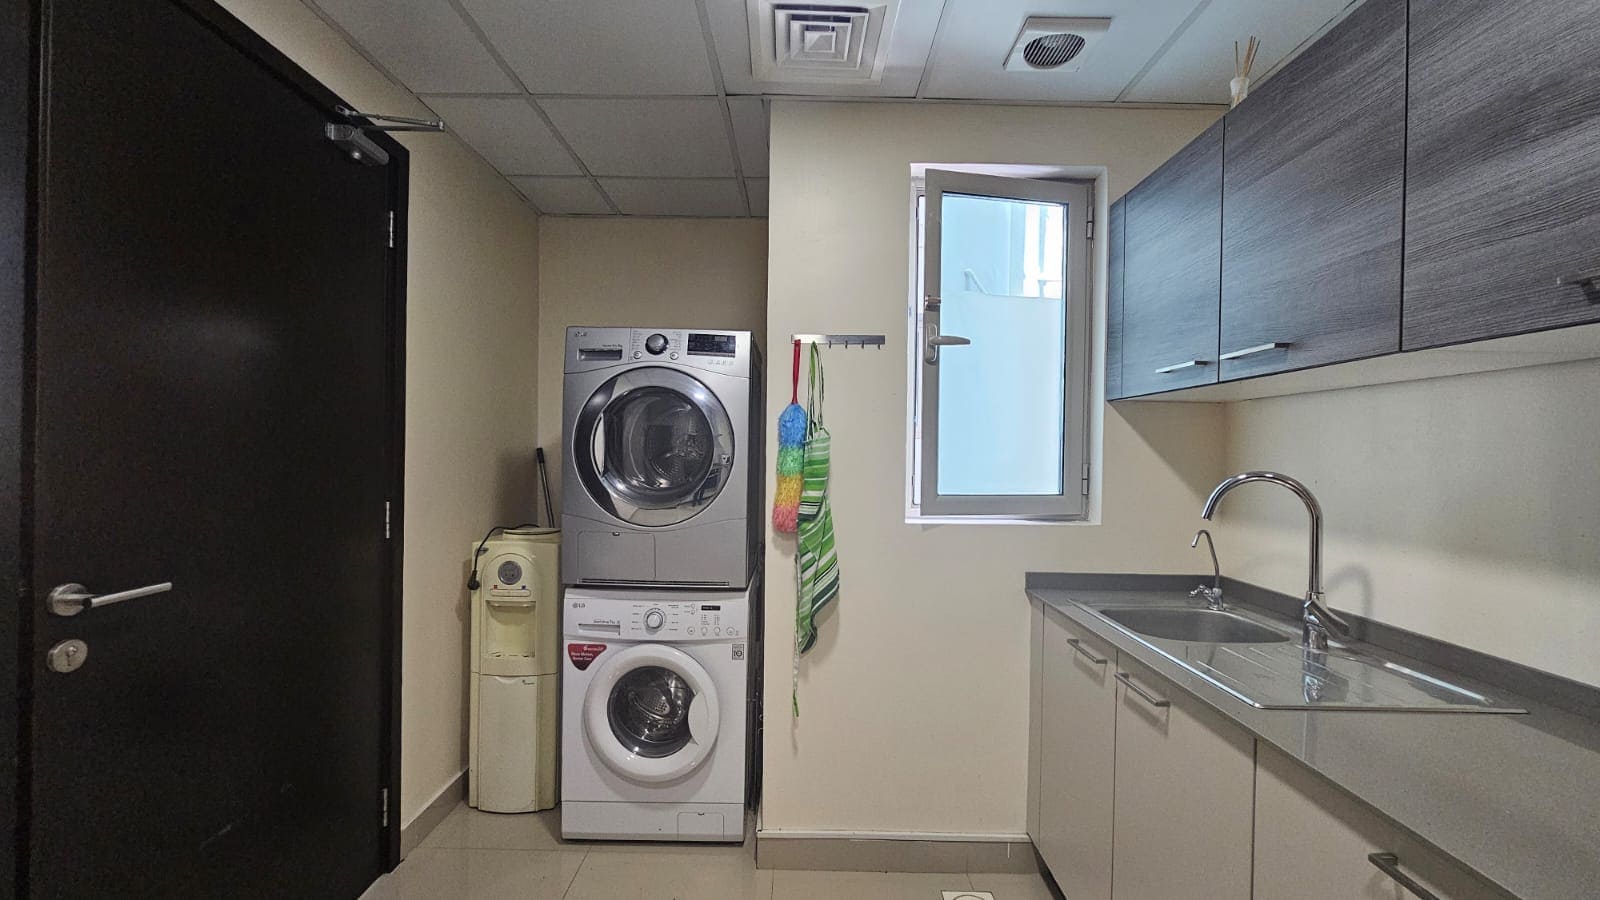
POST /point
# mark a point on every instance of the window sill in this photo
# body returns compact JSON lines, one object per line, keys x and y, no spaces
{"x":913,"y":518}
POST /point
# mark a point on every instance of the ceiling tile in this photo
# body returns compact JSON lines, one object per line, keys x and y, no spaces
{"x":600,"y":46}
{"x":508,"y":133}
{"x":699,"y":197}
{"x":665,"y":137}
{"x":914,"y":26}
{"x":424,"y":43}
{"x":750,"y":133}
{"x":562,"y":196}
{"x":757,"y":189}
{"x":977,"y":35}
{"x":1199,"y":64}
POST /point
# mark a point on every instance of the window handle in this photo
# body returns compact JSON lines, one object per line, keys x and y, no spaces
{"x":933,"y":340}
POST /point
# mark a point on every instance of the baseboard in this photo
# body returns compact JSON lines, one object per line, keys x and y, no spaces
{"x":412,"y":833}
{"x":895,"y":852}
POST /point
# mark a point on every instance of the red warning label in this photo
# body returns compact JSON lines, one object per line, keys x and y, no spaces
{"x":583,"y":654}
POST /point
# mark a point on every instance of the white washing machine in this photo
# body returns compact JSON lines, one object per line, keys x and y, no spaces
{"x":653,"y":736}
{"x":661,"y":440}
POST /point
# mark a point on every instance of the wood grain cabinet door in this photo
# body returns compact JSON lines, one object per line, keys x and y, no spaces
{"x":1173,"y":283}
{"x":1184,"y":780}
{"x":1502,"y":156}
{"x":1312,"y":204}
{"x":1078,"y":744}
{"x":1116,"y":231}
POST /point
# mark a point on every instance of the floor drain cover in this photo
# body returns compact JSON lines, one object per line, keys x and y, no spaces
{"x":968,"y":895}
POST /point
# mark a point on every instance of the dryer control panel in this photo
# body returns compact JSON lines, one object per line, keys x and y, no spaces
{"x":664,"y":620}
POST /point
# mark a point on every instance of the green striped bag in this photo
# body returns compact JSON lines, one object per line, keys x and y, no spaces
{"x":816,"y":563}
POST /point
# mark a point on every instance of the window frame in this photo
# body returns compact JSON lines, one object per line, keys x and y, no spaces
{"x":1072,"y":504}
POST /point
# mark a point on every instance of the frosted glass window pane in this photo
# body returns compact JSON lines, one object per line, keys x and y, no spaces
{"x":1001,"y":404}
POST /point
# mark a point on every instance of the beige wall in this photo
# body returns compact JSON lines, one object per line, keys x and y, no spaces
{"x":1466,"y":508}
{"x":913,"y":705}
{"x":471,"y":360}
{"x":695,"y":273}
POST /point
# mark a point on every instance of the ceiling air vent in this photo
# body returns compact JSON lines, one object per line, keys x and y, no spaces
{"x":818,"y":41}
{"x":1054,"y":45}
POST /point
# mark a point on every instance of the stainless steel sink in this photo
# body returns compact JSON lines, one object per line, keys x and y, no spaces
{"x":1207,"y":626}
{"x":1260,"y":660}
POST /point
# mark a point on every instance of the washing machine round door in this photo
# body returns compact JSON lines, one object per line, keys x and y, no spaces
{"x":653,"y":446}
{"x":651,"y":713}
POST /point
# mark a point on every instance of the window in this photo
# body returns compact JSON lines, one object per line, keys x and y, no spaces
{"x":999,"y":322}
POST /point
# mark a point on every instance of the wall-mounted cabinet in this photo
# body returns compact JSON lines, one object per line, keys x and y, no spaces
{"x":1172,"y":254}
{"x":1502,"y":198}
{"x":1312,"y":204}
{"x":1383,"y":193}
{"x":1116,"y":233}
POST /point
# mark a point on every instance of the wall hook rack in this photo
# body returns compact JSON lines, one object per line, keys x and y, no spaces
{"x":848,"y":340}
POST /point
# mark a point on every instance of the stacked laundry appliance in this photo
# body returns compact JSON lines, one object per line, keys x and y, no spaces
{"x":662,"y":517}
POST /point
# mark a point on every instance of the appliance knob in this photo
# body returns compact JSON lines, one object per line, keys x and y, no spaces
{"x":654,"y":619}
{"x":656,"y":344}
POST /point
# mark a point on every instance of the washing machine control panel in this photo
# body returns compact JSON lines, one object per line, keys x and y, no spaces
{"x":686,"y":621}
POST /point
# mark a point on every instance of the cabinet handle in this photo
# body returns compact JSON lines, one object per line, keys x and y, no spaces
{"x":1178,"y":367}
{"x":1149,"y":698}
{"x":1588,"y":276}
{"x":1259,"y":348}
{"x":1389,"y":864}
{"x":1078,"y":646}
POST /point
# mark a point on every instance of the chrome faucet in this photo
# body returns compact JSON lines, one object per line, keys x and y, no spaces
{"x":1212,"y":594}
{"x":1316,"y":619}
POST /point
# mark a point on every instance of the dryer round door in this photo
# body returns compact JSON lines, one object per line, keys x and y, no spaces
{"x":653,"y":446}
{"x":651,"y":713}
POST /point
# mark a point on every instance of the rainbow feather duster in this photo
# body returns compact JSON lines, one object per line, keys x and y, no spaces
{"x":791,"y":458}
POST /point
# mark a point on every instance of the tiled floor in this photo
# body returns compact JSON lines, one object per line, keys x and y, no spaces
{"x":483,"y":856}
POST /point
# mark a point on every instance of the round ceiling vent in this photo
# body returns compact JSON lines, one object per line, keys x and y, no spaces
{"x":1052,"y":50}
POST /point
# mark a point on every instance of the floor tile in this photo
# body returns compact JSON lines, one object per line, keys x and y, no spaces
{"x":790,"y":884}
{"x":473,"y":829}
{"x":623,"y":875}
{"x":455,"y":872}
{"x":1012,"y":887}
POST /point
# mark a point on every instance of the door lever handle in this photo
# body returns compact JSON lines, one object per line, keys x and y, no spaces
{"x":73,"y":598}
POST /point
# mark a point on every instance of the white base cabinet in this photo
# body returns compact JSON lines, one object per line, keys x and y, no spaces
{"x":1313,"y":841}
{"x":1077,"y":765}
{"x":1138,"y":790}
{"x":1184,"y":786}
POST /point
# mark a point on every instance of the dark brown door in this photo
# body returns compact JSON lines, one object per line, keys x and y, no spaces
{"x":213,"y":409}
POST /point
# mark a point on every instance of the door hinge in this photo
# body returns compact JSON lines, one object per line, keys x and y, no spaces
{"x":391,"y":229}
{"x":1086,"y":479}
{"x":1089,"y":231}
{"x":383,"y":796}
{"x":386,"y":505}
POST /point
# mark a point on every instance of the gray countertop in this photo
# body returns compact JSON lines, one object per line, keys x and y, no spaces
{"x":1514,"y":798}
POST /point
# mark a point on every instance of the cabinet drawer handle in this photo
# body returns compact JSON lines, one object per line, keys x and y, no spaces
{"x":1589,"y":276}
{"x":1389,"y":864}
{"x":1149,"y":698}
{"x":1078,"y":646}
{"x":1178,"y":367}
{"x":1259,"y":348}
